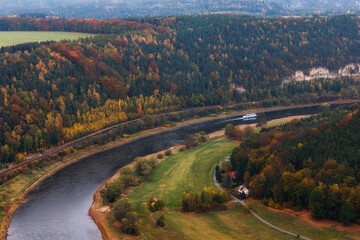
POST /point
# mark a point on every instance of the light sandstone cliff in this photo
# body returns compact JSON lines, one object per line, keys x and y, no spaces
{"x":320,"y":72}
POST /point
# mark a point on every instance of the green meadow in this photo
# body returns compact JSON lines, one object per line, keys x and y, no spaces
{"x":12,"y":38}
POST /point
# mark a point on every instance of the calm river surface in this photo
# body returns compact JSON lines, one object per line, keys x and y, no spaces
{"x":57,"y":209}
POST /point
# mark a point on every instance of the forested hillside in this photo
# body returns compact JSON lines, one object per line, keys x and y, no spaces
{"x":55,"y":92}
{"x":306,"y":164}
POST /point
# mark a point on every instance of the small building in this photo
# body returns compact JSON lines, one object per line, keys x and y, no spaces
{"x":233,"y":175}
{"x":243,"y":191}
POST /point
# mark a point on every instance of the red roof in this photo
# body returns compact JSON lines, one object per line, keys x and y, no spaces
{"x":233,"y":174}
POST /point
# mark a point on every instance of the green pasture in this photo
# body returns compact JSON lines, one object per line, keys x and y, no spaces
{"x":12,"y":38}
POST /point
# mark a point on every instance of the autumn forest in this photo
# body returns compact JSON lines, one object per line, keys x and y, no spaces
{"x":54,"y":92}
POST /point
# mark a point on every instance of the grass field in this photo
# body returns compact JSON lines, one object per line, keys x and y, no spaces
{"x":192,"y":170}
{"x":13,"y":38}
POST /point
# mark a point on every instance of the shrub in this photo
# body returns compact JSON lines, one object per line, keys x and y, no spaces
{"x":182,"y":149}
{"x":208,"y":199}
{"x":194,"y":139}
{"x":188,"y":202}
{"x":161,"y":220}
{"x":168,"y":152}
{"x":155,"y":204}
{"x":160,"y":156}
{"x":143,"y":166}
{"x":121,"y":208}
{"x":111,"y":191}
{"x":127,"y":176}
{"x":130,"y":224}
{"x":149,"y":121}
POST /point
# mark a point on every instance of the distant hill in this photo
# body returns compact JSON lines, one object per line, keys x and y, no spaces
{"x":318,"y":4}
{"x":142,"y":8}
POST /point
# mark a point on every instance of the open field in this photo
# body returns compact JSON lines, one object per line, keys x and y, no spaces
{"x":13,"y":38}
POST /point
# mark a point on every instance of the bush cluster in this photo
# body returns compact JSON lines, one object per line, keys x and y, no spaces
{"x":129,"y":219}
{"x":127,"y":178}
{"x":208,"y":199}
{"x":194,"y":139}
{"x":144,"y":166}
{"x":155,"y":204}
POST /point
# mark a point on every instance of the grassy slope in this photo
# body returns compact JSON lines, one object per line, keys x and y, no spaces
{"x":192,"y":170}
{"x":13,"y":38}
{"x":298,"y":225}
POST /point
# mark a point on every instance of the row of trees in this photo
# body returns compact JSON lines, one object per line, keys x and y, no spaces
{"x":309,"y":164}
{"x":206,"y":200}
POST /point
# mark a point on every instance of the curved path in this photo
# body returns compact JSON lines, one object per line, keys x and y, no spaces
{"x":217,"y":184}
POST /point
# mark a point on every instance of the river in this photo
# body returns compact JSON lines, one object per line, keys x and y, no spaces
{"x":57,"y":209}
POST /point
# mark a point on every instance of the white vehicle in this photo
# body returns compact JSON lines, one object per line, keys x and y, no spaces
{"x":251,"y":116}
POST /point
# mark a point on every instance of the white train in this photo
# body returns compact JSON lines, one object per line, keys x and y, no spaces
{"x":250,"y":116}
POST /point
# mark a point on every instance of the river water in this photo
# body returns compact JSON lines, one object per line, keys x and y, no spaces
{"x":57,"y":209}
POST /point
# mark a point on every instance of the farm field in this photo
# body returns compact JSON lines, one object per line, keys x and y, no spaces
{"x":17,"y":37}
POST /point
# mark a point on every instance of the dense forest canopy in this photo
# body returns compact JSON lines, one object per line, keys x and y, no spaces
{"x":55,"y":92}
{"x":312,"y":163}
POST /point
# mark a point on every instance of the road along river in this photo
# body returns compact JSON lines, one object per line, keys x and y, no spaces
{"x":58,"y":207}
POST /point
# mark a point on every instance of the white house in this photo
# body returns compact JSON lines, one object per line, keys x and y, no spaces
{"x":243,"y":190}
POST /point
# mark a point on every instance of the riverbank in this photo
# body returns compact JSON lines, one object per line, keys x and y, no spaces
{"x":14,"y":191}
